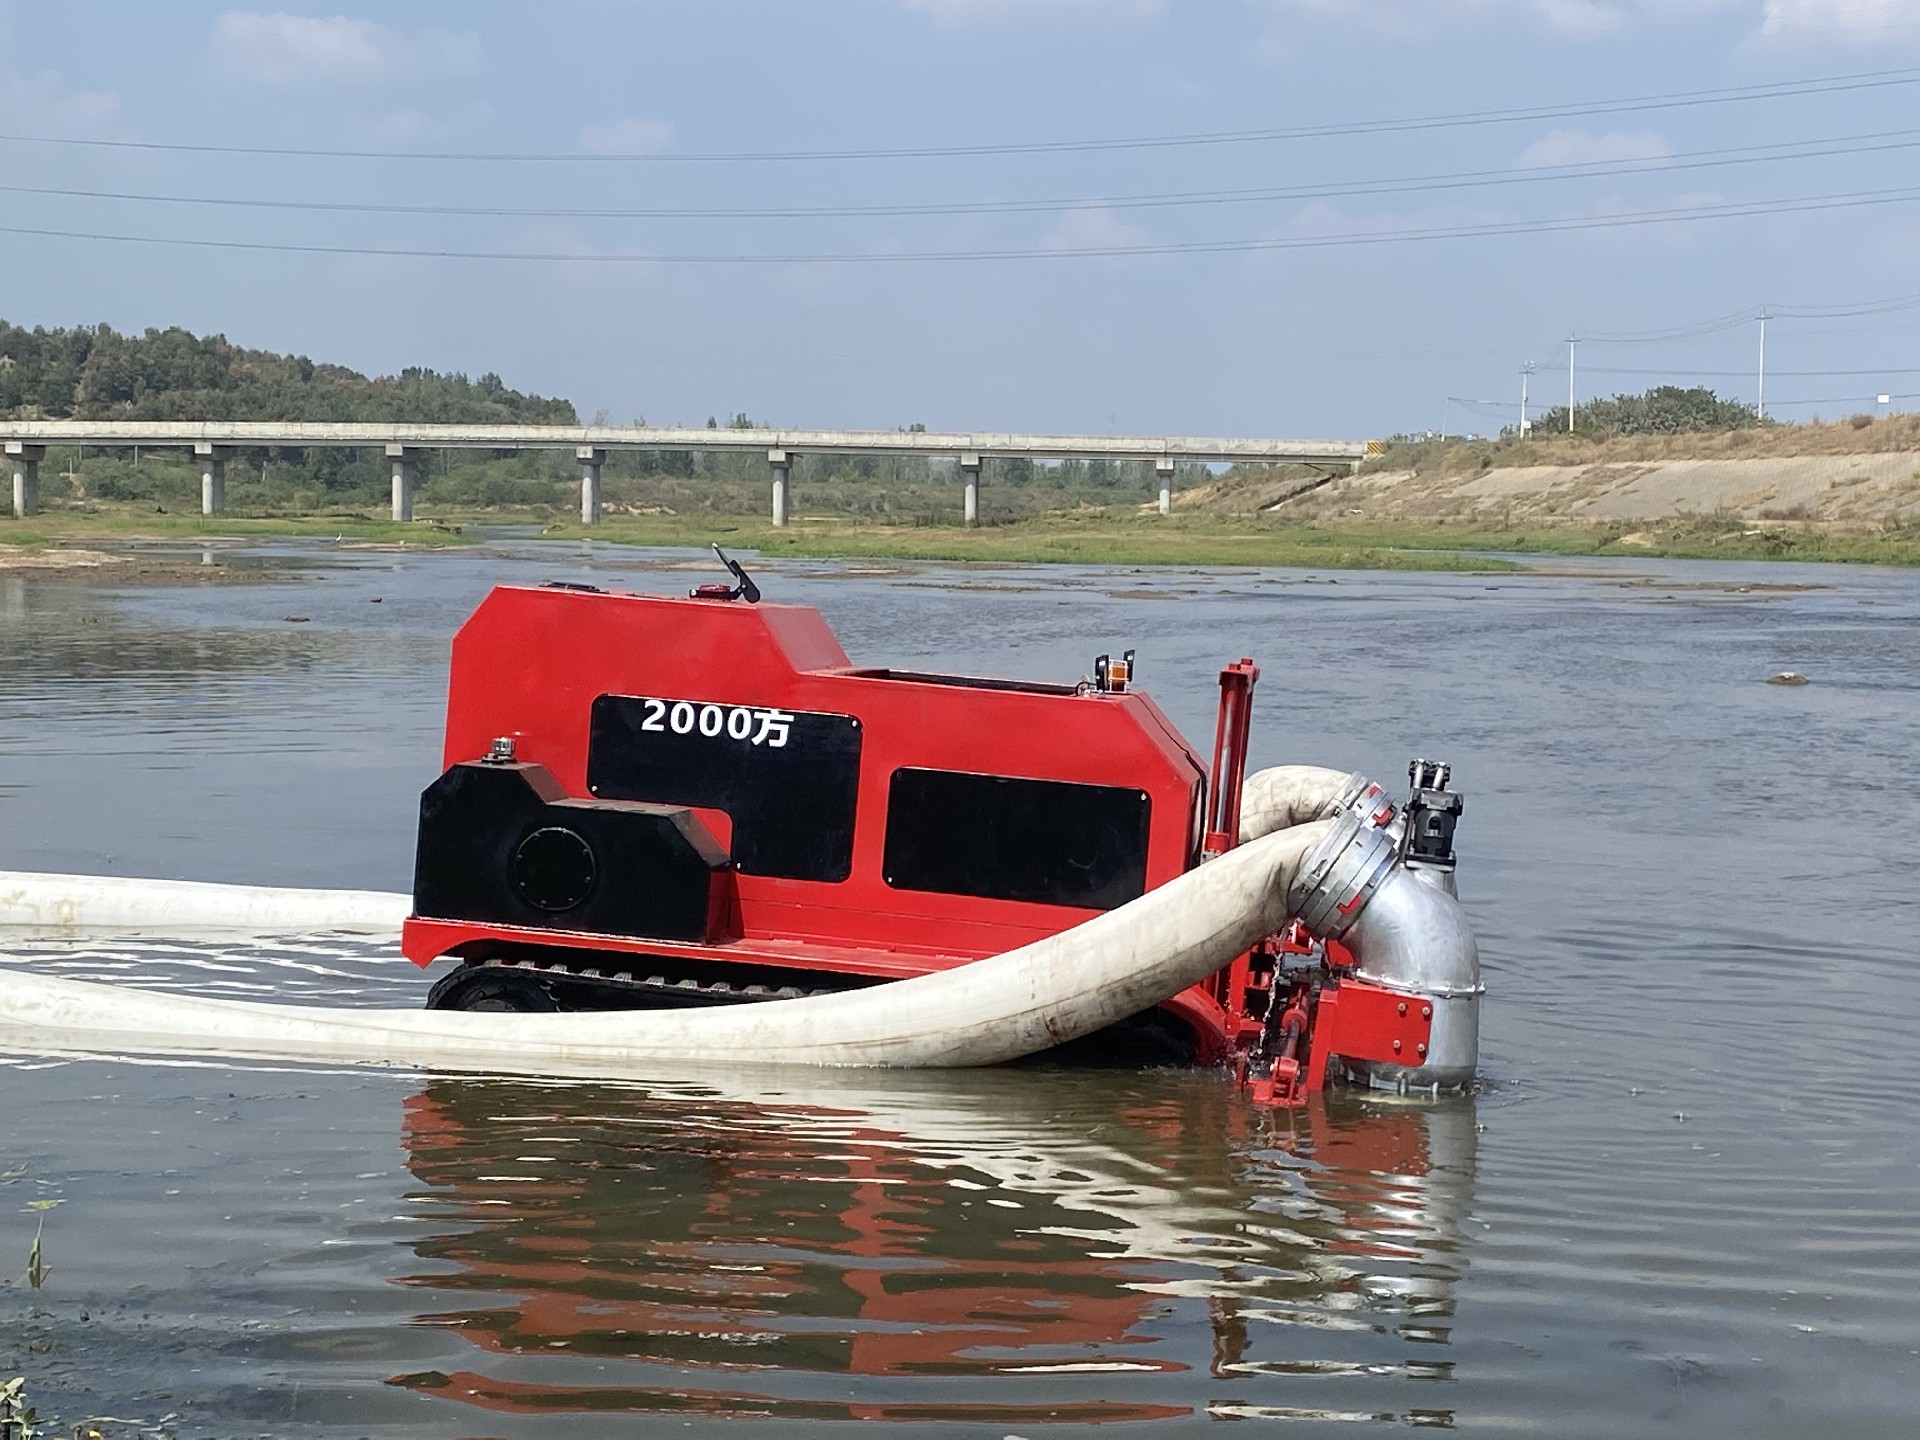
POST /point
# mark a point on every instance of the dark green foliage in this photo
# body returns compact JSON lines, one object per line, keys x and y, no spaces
{"x":1663,"y":410}
{"x":169,"y":479}
{"x":890,"y":489}
{"x":96,"y":373}
{"x":526,"y":477}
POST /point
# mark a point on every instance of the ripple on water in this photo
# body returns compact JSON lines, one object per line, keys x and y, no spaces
{"x":1681,"y":1205}
{"x":1025,"y":1248}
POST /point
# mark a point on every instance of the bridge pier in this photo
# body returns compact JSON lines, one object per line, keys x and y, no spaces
{"x":782,"y":463}
{"x":403,"y":457}
{"x":1163,"y":468}
{"x":970,"y":470}
{"x":26,"y":477}
{"x":213,"y":477}
{"x":590,"y":462}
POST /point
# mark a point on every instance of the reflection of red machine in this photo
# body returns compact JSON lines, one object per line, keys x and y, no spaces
{"x":914,"y":1262}
{"x":660,"y":802}
{"x":749,"y":1255}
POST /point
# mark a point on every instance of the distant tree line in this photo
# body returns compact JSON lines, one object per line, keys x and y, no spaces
{"x":97,"y":373}
{"x":1663,"y":410}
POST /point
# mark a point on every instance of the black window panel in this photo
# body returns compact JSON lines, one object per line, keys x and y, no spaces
{"x":1050,"y":842}
{"x":792,"y":805}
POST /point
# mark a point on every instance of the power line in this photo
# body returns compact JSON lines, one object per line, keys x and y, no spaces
{"x":1844,"y":400}
{"x":1685,"y":332}
{"x":1843,"y":312}
{"x":1888,"y":306}
{"x":1739,"y":318}
{"x":1724,"y":211}
{"x":1904,"y":328}
{"x":1743,"y":374}
{"x":1457,"y":180}
{"x":1492,"y":409}
{"x":1688,"y":99}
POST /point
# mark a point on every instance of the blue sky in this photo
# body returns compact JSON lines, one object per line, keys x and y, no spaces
{"x":1332,"y":323}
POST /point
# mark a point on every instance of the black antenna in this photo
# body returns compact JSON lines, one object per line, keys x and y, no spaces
{"x":748,"y":591}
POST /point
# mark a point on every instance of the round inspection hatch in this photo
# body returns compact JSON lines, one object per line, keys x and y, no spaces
{"x":553,"y":869}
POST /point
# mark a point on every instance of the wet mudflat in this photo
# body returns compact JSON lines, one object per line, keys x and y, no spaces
{"x":1682,"y":1204}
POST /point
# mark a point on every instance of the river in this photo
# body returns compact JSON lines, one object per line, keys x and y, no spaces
{"x":1681,"y":1203}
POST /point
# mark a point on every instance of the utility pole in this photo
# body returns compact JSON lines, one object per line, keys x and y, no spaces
{"x":1526,"y":374}
{"x":1760,"y":408}
{"x":1572,"y":342}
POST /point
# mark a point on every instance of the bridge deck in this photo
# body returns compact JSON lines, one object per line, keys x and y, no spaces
{"x":988,"y":444}
{"x":26,"y":442}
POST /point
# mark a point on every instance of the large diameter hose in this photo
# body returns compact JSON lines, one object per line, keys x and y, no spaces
{"x":1282,"y":796}
{"x":58,"y":905}
{"x":992,"y":1010}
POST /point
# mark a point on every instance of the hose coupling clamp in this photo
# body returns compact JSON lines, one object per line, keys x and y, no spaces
{"x":1341,"y":874}
{"x":1364,"y":798}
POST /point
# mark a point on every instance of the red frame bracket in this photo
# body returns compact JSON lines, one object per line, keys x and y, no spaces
{"x":1365,"y":1022}
{"x":1230,"y":756}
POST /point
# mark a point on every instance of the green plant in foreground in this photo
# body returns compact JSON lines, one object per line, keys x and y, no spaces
{"x":36,"y":1267}
{"x":18,"y":1420}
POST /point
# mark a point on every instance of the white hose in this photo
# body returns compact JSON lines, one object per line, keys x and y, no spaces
{"x":55,"y":906}
{"x":1283,"y":796}
{"x":60,"y":905}
{"x":992,"y":1010}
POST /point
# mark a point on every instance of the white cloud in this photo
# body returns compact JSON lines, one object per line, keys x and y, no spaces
{"x":1857,"y":22}
{"x":42,"y":102}
{"x":966,"y":12}
{"x":1418,"y":18}
{"x":1678,"y":236}
{"x":1581,"y":17}
{"x":1412,"y":19}
{"x":1326,"y":220}
{"x":627,"y":137}
{"x":1093,"y":227}
{"x":1582,"y":147}
{"x":413,"y":126}
{"x":281,"y":49}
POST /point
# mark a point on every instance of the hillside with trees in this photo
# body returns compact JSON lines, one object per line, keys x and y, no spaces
{"x":96,"y":373}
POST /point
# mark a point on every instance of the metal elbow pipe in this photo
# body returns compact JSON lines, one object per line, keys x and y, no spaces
{"x":1407,"y":934}
{"x":1412,"y":937}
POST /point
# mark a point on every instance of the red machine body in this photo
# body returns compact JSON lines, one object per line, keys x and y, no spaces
{"x":834,"y":825}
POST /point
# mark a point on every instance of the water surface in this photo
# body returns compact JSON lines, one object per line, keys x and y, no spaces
{"x":1682,"y":1203}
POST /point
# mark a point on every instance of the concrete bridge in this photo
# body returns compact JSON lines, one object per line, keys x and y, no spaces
{"x":26,"y":443}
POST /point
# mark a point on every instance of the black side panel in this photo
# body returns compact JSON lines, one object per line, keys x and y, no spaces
{"x":1046,"y":841}
{"x":499,"y":844}
{"x":789,"y":779}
